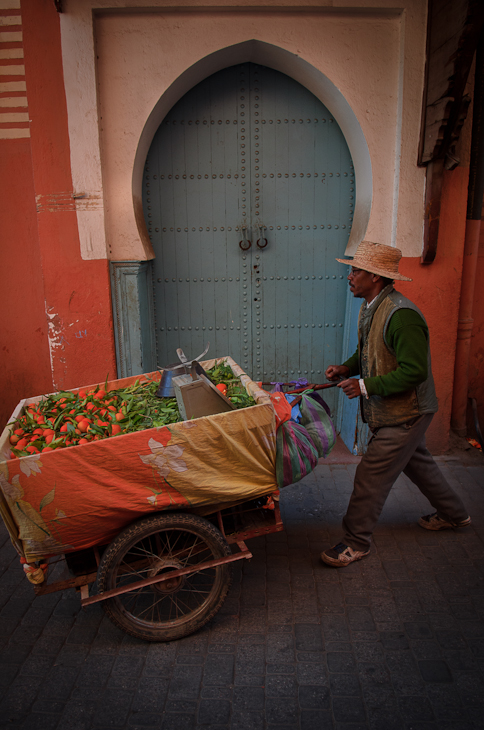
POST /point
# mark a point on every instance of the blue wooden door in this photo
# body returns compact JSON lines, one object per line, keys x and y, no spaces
{"x":248,"y":197}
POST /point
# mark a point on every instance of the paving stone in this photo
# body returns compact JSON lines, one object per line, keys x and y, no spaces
{"x":281,"y":686}
{"x":42,"y":720}
{"x":368,"y":651}
{"x":218,"y":669}
{"x":393,"y":640}
{"x":470,"y":687}
{"x":280,"y":648}
{"x":125,"y":671}
{"x":150,"y":695}
{"x":21,"y":695}
{"x":58,"y":682}
{"x":445,"y":701}
{"x":368,"y":648}
{"x":248,"y":699}
{"x":308,"y":637}
{"x":335,"y":628}
{"x":360,"y":618}
{"x":282,"y":710}
{"x":349,"y":709}
{"x":177,"y":721}
{"x":386,"y":719}
{"x":312,"y":673}
{"x":433,"y":670}
{"x":186,"y":707}
{"x":247,"y":720}
{"x":280,"y":668}
{"x":216,"y":693}
{"x":215,"y":712}
{"x":405,"y":674}
{"x":78,"y":715}
{"x":160,"y":659}
{"x":37,"y":665}
{"x":340,"y":662}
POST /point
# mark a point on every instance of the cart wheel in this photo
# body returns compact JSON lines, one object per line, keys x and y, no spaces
{"x":161,"y":543}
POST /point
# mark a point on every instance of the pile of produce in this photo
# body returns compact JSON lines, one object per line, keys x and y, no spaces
{"x":68,"y":419}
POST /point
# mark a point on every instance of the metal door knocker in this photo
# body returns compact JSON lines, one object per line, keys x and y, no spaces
{"x":261,"y":241}
{"x":245,"y":244}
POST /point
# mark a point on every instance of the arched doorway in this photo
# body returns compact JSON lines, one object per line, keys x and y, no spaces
{"x":250,"y":156}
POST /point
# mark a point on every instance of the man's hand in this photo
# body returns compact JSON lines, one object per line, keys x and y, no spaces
{"x":335,"y":372}
{"x":350,"y":387}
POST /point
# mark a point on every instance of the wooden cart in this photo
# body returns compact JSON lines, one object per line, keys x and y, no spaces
{"x":166,"y":575}
{"x":158,"y":550}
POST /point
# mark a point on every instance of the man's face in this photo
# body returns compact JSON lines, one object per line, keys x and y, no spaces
{"x":361,"y":282}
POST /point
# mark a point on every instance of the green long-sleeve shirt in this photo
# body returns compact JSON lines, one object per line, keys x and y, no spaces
{"x":407,"y":335}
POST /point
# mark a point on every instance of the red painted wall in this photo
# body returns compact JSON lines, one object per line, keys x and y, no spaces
{"x":77,"y":292}
{"x":435,"y":289}
{"x":50,"y":289}
{"x":476,"y":364}
{"x":24,"y":361}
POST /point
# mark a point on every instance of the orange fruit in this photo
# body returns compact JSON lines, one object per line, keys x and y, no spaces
{"x":84,"y":425}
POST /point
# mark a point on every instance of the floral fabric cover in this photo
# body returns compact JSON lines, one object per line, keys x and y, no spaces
{"x":81,"y":496}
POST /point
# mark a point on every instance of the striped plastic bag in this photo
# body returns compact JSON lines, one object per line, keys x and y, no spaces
{"x":296,"y":454}
{"x":316,"y":419}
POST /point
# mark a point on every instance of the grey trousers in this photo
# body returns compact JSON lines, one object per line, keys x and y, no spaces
{"x":391,"y":451}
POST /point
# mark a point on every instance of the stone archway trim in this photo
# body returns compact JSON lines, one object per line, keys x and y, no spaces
{"x":288,"y":63}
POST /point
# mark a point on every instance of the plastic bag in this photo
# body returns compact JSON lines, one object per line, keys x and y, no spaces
{"x":296,"y":454}
{"x":316,"y":419}
{"x":281,"y":407}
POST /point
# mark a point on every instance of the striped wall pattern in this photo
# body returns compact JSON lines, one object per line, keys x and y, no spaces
{"x":14,"y":116}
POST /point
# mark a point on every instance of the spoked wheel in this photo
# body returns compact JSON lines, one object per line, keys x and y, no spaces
{"x":161,"y":544}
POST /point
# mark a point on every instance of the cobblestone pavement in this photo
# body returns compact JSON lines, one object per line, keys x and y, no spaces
{"x":394,"y":641}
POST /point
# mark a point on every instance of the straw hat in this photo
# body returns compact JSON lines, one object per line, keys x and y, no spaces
{"x":377,"y":258}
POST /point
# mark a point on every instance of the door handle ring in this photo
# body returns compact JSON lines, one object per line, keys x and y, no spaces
{"x":245,"y":248}
{"x":264,"y":244}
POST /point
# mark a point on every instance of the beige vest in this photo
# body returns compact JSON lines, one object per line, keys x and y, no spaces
{"x":377,"y":358}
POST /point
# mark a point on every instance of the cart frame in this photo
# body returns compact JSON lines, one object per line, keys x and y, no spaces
{"x":256,"y":528}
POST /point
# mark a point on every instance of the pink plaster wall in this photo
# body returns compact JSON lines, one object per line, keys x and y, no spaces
{"x":375,"y":59}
